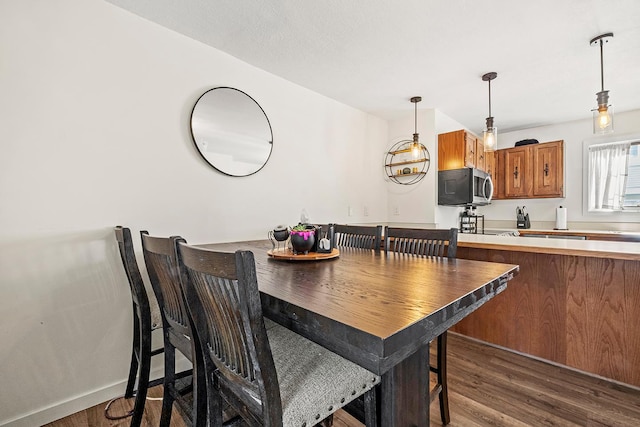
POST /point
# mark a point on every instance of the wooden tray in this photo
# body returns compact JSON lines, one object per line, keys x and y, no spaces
{"x":288,"y":255}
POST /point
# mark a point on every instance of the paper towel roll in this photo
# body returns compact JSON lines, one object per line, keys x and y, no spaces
{"x":561,"y":218}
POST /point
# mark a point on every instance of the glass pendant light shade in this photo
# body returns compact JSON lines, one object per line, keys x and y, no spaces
{"x":490,"y":139}
{"x":490,"y":131}
{"x":603,"y":119}
{"x":603,"y":115}
{"x":490,"y":135}
{"x":416,"y":147}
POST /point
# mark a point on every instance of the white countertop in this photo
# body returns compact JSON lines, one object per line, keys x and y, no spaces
{"x":594,"y":248}
{"x":578,"y":231}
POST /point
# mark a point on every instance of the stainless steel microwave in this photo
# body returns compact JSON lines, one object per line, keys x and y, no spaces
{"x":464,"y":187}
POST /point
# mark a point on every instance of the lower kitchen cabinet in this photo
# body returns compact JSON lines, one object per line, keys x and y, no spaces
{"x":579,"y":311}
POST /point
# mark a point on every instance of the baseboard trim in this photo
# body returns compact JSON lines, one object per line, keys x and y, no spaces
{"x":549,"y":362}
{"x":80,"y":402}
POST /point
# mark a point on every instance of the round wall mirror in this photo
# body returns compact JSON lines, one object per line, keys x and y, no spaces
{"x":231,"y":131}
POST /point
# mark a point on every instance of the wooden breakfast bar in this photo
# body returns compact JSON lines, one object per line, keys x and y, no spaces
{"x":378,"y":310}
{"x":576,"y":303}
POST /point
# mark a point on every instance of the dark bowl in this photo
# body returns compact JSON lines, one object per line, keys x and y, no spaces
{"x":281,"y":235}
{"x":302,"y":241}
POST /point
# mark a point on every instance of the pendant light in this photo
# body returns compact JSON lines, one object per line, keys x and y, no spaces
{"x":603,"y":115}
{"x":490,"y":132}
{"x":416,"y":147}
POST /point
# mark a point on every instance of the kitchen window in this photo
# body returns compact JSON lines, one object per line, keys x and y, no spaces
{"x":632,"y":191}
{"x":613,"y":178}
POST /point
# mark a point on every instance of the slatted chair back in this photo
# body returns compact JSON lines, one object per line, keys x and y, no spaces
{"x":223,"y":297}
{"x":162,"y":266}
{"x":358,"y":236}
{"x":163,"y":273}
{"x":142,"y":326}
{"x":136,"y":284}
{"x":424,"y":242}
{"x":433,"y":243}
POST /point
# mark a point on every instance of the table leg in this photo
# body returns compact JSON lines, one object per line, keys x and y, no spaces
{"x":405,"y":392}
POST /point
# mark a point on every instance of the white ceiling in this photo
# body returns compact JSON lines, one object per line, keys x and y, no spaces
{"x":376,"y":54}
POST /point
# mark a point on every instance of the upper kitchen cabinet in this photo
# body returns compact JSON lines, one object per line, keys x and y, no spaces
{"x":532,"y":171}
{"x":517,"y":172}
{"x":460,"y":149}
{"x":548,"y":170}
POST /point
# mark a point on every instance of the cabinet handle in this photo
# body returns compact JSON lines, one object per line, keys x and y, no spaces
{"x":515,"y":174}
{"x":546,"y":169}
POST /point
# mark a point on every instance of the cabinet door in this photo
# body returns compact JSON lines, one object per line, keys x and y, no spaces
{"x":469,"y":150}
{"x":516,"y":172}
{"x":481,"y":159}
{"x":451,"y":150}
{"x":491,"y":166}
{"x":548,"y":169}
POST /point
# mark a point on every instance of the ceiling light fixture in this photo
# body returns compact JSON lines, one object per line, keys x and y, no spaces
{"x":490,"y":131}
{"x":603,"y":115}
{"x":416,"y":147}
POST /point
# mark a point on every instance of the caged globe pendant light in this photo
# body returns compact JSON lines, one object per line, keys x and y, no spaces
{"x":407,"y":161}
{"x":603,"y":115}
{"x":490,"y":132}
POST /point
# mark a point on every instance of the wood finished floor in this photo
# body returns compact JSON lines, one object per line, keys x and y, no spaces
{"x":487,"y":387}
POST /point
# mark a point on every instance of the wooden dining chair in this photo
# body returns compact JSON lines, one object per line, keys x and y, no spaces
{"x":159,"y":256}
{"x":436,"y":243}
{"x":145,"y":320}
{"x":358,"y":236}
{"x":269,"y":374}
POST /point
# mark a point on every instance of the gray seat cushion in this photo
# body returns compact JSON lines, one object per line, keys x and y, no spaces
{"x":314,"y":382}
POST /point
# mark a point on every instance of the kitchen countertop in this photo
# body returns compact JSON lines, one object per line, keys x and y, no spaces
{"x":590,"y":248}
{"x":573,"y":232}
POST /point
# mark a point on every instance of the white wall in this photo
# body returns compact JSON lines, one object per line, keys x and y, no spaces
{"x":543,"y":210}
{"x":95,"y":113}
{"x":413,"y":203}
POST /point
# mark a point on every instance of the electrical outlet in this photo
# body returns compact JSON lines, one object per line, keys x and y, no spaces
{"x":396,"y":210}
{"x":349,"y":211}
{"x":365,"y":211}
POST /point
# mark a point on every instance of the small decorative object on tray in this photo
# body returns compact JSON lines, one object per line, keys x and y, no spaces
{"x":302,"y":242}
{"x":279,"y":235}
{"x":303,"y":238}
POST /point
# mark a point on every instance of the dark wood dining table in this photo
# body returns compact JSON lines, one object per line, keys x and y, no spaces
{"x":378,"y":310}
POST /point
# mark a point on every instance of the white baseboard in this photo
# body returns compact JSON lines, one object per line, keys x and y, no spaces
{"x":81,"y":402}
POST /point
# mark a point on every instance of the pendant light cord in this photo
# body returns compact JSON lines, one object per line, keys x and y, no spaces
{"x":601,"y":66}
{"x":415,"y":118}
{"x":601,"y":40}
{"x":489,"y":98}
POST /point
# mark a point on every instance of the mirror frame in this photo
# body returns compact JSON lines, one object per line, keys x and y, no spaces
{"x":195,"y":142}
